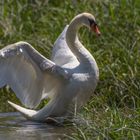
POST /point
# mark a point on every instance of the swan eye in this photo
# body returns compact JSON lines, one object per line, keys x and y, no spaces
{"x":94,"y":26}
{"x":92,"y":22}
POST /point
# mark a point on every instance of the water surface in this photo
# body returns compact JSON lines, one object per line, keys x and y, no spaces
{"x":14,"y":127}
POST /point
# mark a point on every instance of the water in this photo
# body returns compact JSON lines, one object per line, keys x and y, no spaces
{"x":14,"y":127}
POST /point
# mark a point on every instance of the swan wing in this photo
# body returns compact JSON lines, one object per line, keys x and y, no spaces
{"x":30,"y":75}
{"x":61,"y":53}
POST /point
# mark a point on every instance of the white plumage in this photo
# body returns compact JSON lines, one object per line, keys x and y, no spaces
{"x":69,"y":78}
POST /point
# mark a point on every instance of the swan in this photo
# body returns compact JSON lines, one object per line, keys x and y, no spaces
{"x":68,"y":79}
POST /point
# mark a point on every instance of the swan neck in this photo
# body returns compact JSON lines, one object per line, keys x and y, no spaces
{"x":72,"y":31}
{"x":73,"y":42}
{"x":83,"y":55}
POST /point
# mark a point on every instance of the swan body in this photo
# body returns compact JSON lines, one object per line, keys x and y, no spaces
{"x":68,"y":79}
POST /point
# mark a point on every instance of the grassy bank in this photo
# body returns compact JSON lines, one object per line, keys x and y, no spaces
{"x":114,"y":110}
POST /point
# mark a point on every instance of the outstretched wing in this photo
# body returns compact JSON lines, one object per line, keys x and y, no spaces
{"x":30,"y":75}
{"x":61,"y":53}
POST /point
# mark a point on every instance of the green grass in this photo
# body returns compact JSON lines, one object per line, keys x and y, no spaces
{"x":114,"y":110}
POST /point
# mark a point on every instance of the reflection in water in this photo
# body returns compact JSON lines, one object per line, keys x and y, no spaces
{"x":14,"y":127}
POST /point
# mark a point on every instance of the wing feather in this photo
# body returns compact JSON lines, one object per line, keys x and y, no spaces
{"x":22,"y":72}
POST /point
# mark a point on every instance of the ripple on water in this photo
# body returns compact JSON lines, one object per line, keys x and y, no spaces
{"x":14,"y":127}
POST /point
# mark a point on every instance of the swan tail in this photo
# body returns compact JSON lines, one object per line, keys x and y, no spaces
{"x":27,"y":113}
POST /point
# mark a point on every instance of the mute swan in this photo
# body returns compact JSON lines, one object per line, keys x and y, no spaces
{"x":68,"y":79}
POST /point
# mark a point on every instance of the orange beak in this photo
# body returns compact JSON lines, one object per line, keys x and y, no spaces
{"x":95,"y":29}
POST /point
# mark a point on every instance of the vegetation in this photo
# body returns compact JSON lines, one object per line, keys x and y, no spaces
{"x":114,"y":110}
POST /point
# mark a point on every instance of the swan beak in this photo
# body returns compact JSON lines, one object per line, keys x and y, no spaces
{"x":94,"y":28}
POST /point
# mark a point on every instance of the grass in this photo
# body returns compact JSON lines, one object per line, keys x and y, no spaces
{"x":114,"y":110}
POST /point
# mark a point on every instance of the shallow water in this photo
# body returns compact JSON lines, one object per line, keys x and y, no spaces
{"x":14,"y":127}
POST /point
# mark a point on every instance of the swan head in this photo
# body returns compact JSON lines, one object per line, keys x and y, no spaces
{"x":88,"y":20}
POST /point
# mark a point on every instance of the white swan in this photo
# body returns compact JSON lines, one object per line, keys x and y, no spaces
{"x":68,"y":80}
